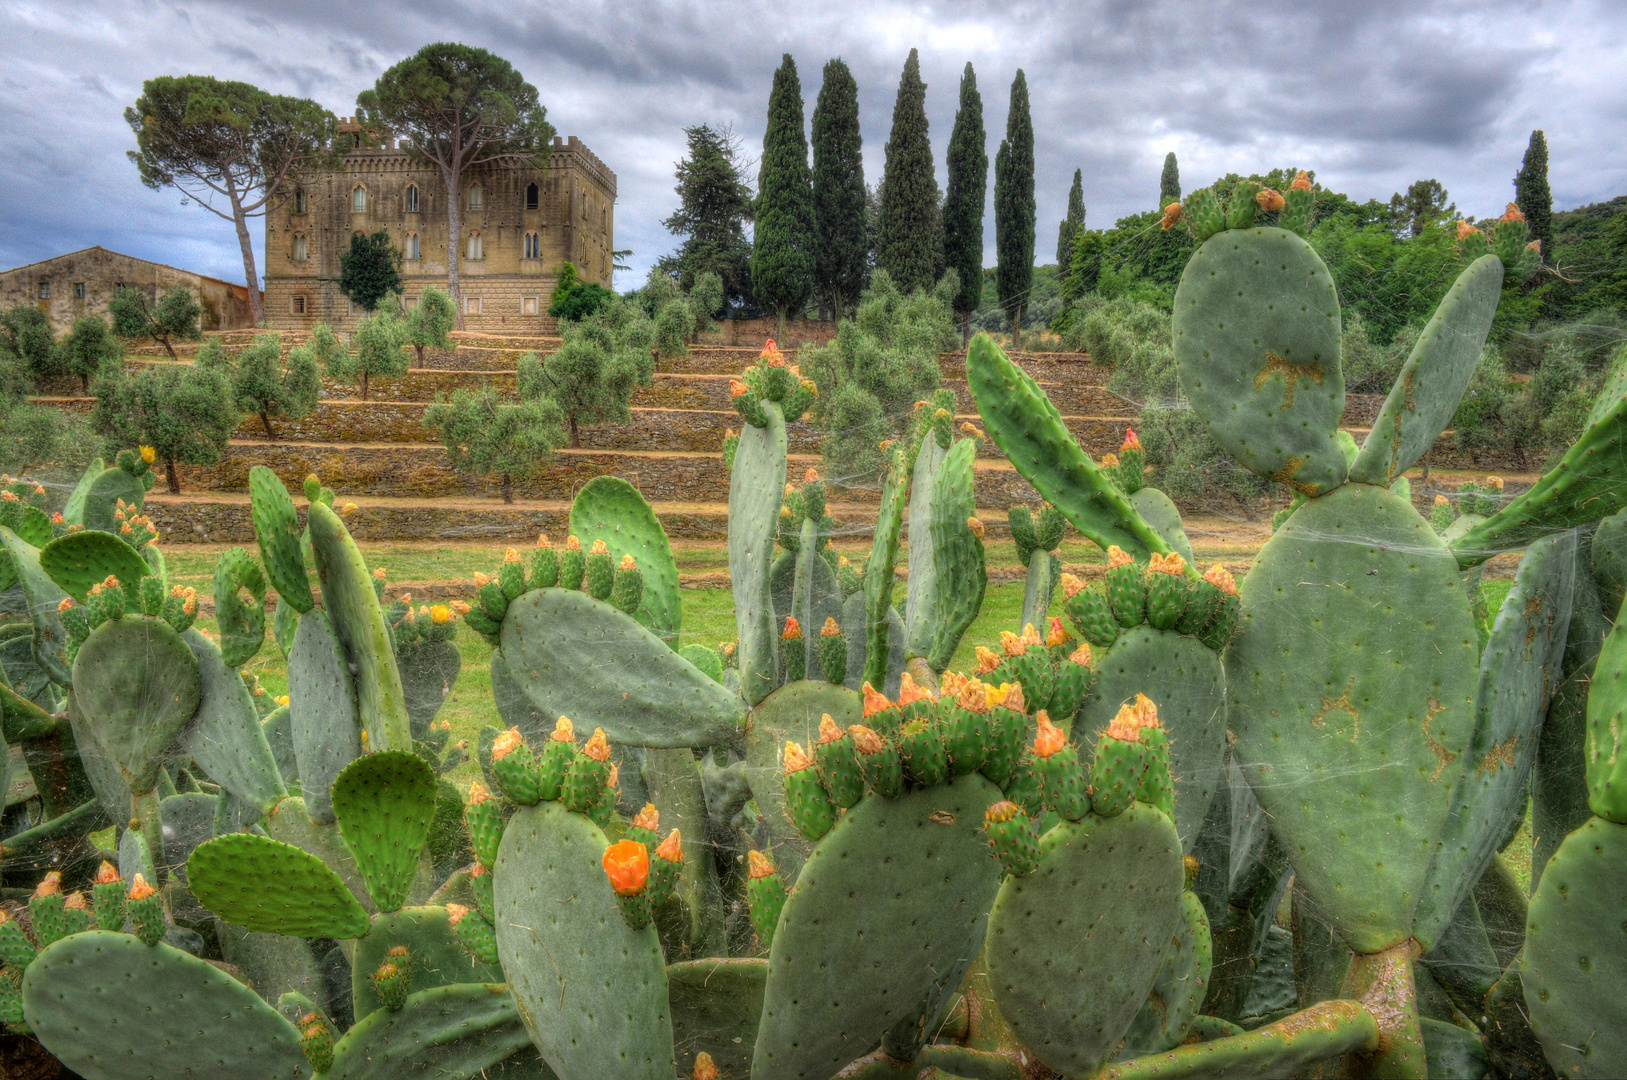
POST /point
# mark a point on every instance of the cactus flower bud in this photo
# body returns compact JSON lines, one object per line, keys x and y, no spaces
{"x":1012,"y":644}
{"x":1171,"y":218}
{"x":598,"y":548}
{"x":1512,"y":213}
{"x":874,"y":701}
{"x":973,"y":696}
{"x":1058,"y":636}
{"x":1302,"y":181}
{"x":1030,"y":637}
{"x":988,"y":659}
{"x":1110,"y":461}
{"x":950,"y":684}
{"x":597,"y":747}
{"x":796,"y":758}
{"x":737,"y":388}
{"x":628,"y":563}
{"x":283,"y":701}
{"x":1049,"y":738}
{"x":51,"y":884}
{"x":865,"y":740}
{"x":1081,"y":655}
{"x":67,"y":602}
{"x":455,"y":913}
{"x":627,"y":865}
{"x":909,"y":692}
{"x":148,"y":455}
{"x":1071,"y":584}
{"x":1011,"y":696}
{"x":1117,"y":557}
{"x":648,"y":818}
{"x":1221,"y":578}
{"x":976,"y":526}
{"x":1270,"y":201}
{"x":793,"y":629}
{"x":506,"y":743}
{"x":1495,"y":482}
{"x":672,"y":848}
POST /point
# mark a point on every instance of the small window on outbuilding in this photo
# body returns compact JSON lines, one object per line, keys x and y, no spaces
{"x":45,"y":290}
{"x":79,"y":290}
{"x":531,"y":196}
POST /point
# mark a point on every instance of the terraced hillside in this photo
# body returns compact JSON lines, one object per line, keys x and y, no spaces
{"x":378,"y":454}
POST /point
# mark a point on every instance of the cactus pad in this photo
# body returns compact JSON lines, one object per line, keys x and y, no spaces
{"x":1179,"y":988}
{"x":1351,"y":683}
{"x":1186,"y":681}
{"x":892,"y":897}
{"x":263,"y":884}
{"x":575,"y":656}
{"x":960,"y":570}
{"x":82,"y":559}
{"x":436,"y":957}
{"x":326,"y":727}
{"x":716,"y":1005}
{"x":276,"y":527}
{"x":1030,"y":430}
{"x":608,"y":508}
{"x":1574,"y":971}
{"x":756,"y":482}
{"x":43,"y":596}
{"x":591,"y":990}
{"x":225,"y":736}
{"x":1074,"y":947}
{"x":358,"y":623}
{"x":458,"y":1030}
{"x":111,"y":1008}
{"x":790,"y":714}
{"x":1257,"y":340}
{"x":385,"y":803}
{"x":137,"y":685}
{"x":1426,"y":393}
{"x":242,"y":623}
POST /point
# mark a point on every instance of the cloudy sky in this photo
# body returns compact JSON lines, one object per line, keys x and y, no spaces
{"x":1372,"y":95}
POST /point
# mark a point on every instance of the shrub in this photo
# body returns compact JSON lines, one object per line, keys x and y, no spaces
{"x":174,"y":316}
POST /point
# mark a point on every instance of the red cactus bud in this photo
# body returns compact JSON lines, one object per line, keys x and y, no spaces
{"x":139,"y":889}
{"x":793,"y":629}
{"x":1059,"y":634}
{"x":1050,"y":739}
{"x":506,"y":743}
{"x":627,"y":865}
{"x":598,"y":747}
{"x":1001,"y":812}
{"x":874,"y":701}
{"x":107,"y":873}
{"x":648,"y":818}
{"x":1130,"y":440}
{"x":672,"y":848}
{"x":909,"y":692}
{"x":796,"y":758}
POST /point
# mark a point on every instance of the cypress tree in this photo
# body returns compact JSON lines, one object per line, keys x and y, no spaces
{"x":963,"y":202}
{"x":1531,"y":192}
{"x":1169,"y":184}
{"x":841,"y":240}
{"x":1072,"y":224}
{"x":1014,"y":206}
{"x":782,"y":253}
{"x":907,"y":232}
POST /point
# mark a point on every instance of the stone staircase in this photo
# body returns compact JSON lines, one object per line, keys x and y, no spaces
{"x":378,"y":454}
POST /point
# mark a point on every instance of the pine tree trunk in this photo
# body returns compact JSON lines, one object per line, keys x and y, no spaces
{"x":508,"y":489}
{"x":265,"y":418}
{"x":453,"y":225}
{"x":576,"y":435}
{"x":257,"y":307}
{"x":173,"y":477}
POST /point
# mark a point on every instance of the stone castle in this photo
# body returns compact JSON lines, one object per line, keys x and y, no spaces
{"x":517,"y":229}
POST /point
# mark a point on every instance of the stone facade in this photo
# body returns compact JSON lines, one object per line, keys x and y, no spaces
{"x":83,"y":282}
{"x":517,"y":228}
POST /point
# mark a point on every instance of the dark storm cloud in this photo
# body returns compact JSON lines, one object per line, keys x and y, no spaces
{"x":1372,"y":95}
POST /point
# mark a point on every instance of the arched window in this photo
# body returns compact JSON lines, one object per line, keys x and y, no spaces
{"x":302,"y":248}
{"x":531,"y":197}
{"x":299,"y":201}
{"x":477,"y":198}
{"x":409,"y":245}
{"x":477,"y":249}
{"x":412,"y":199}
{"x":358,"y":200}
{"x":533,"y":246}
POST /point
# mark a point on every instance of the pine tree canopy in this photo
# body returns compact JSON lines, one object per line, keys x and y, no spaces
{"x":782,"y":257}
{"x":907,"y":241}
{"x":714,"y":204}
{"x":963,"y":202}
{"x":1014,"y":204}
{"x":841,"y":239}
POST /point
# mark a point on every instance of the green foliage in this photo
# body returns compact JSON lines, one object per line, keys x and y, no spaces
{"x":907,"y":240}
{"x":1014,"y":204}
{"x":377,"y":342}
{"x":89,"y":349}
{"x":1132,"y":337}
{"x":963,"y":199}
{"x":782,"y":257}
{"x":1187,"y":464}
{"x":580,"y":301}
{"x":714,"y":203}
{"x":880,"y":363}
{"x":1532,"y":194}
{"x":370,"y":270}
{"x":262,"y":387}
{"x":1169,"y":181}
{"x":228,"y":142}
{"x":706,"y":299}
{"x":26,"y":337}
{"x":604,"y":358}
{"x":1423,"y":205}
{"x":184,"y":412}
{"x":174,"y":316}
{"x":33,"y":437}
{"x":673,"y":323}
{"x":430,"y":322}
{"x":1074,"y":223}
{"x":841,"y":243}
{"x":566,"y":282}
